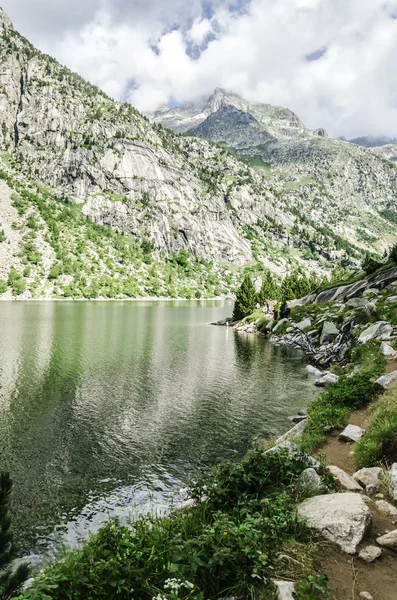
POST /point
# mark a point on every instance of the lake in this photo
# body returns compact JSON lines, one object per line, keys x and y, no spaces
{"x":109,"y":408}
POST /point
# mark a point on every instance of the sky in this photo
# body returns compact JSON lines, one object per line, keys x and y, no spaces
{"x":333,"y":62}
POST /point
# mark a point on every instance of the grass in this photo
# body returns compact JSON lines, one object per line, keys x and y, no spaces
{"x":380,"y":440}
{"x":333,"y":407}
{"x":231,"y":544}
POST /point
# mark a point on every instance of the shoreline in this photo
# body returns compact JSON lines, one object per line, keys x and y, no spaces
{"x":143,"y":299}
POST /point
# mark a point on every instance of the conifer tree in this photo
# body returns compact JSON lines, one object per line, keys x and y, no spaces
{"x":245,"y":299}
{"x":10,"y":580}
{"x":269,"y":287}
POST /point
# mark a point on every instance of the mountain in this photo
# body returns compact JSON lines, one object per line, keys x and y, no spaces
{"x":329,"y":183}
{"x":371,"y":141}
{"x":96,"y":200}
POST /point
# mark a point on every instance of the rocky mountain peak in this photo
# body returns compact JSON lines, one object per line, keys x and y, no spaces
{"x":222,"y":97}
{"x":5,"y":20}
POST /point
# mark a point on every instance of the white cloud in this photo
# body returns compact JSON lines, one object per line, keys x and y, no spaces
{"x":144,"y":50}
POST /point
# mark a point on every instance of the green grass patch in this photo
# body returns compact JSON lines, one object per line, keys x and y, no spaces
{"x":332,"y":408}
{"x":380,"y":440}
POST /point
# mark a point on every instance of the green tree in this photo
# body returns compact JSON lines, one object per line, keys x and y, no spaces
{"x":245,"y":299}
{"x":10,"y":580}
{"x":269,"y":287}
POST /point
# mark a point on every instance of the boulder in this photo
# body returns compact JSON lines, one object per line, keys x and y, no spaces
{"x":326,"y":379}
{"x":345,"y":480}
{"x":369,"y":477}
{"x":343,"y":519}
{"x":370,"y":554}
{"x":351,"y":434}
{"x":386,"y":508}
{"x":309,"y":481}
{"x":313,"y":371}
{"x":293,"y":434}
{"x":329,"y":333}
{"x":297,"y":418}
{"x":304,"y":324}
{"x":365,"y":596}
{"x":381,"y":330}
{"x":393,"y":482}
{"x":387,"y":350}
{"x":358,"y":303}
{"x":389,"y":540}
{"x":392,"y":299}
{"x":386,"y":380}
{"x":285,"y":590}
{"x":370,"y":292}
{"x":279,"y":325}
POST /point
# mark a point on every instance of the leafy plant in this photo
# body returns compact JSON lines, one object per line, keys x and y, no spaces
{"x":245,"y":299}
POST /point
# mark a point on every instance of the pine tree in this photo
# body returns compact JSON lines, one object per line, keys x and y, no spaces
{"x":245,"y":299}
{"x":269,"y":287}
{"x":10,"y":581}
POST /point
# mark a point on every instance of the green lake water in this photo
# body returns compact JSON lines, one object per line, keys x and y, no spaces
{"x":108,"y":408}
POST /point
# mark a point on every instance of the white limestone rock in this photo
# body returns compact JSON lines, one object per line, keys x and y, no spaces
{"x":370,"y":554}
{"x":387,"y":350}
{"x":329,"y":333}
{"x":389,"y":540}
{"x":387,"y":380}
{"x":345,"y":480}
{"x":285,"y":590}
{"x":314,"y":371}
{"x":371,"y":476}
{"x":381,"y":330}
{"x":343,"y":519}
{"x":310,"y":482}
{"x":326,"y":379}
{"x":351,"y":434}
{"x":386,"y":508}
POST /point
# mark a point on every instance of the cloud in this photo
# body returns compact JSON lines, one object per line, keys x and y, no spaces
{"x":332,"y":62}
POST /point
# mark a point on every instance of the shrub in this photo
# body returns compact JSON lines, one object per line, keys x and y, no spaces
{"x":245,"y":299}
{"x":16,"y":282}
{"x":2,"y":236}
{"x":3,"y":286}
{"x":393,"y":254}
{"x":380,"y":440}
{"x":332,"y":408}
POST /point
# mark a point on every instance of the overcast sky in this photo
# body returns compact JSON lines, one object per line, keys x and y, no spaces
{"x":334,"y":62}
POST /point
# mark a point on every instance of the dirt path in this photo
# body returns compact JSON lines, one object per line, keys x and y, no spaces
{"x":350,"y":575}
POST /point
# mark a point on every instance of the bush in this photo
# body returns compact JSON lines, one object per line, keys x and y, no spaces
{"x":3,"y":236}
{"x":332,"y":407}
{"x":3,"y":286}
{"x":380,"y":440}
{"x":230,"y":542}
{"x":393,"y":254}
{"x":16,"y":282}
{"x":245,"y":299}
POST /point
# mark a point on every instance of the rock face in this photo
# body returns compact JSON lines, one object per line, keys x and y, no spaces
{"x":345,"y":480}
{"x":343,"y":519}
{"x":351,"y":434}
{"x":387,"y":380}
{"x":369,"y":476}
{"x":393,"y":482}
{"x":378,"y":331}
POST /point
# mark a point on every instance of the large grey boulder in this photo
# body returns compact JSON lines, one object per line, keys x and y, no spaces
{"x":381,"y":330}
{"x":345,"y":480}
{"x":329,"y":333}
{"x":293,"y":434}
{"x":351,"y":434}
{"x":370,"y":292}
{"x":304,"y":324}
{"x":358,"y":303}
{"x":279,"y":325}
{"x":326,"y":379}
{"x":343,"y":519}
{"x":369,"y":476}
{"x":387,"y":380}
{"x":389,"y":540}
{"x":314,"y":371}
{"x":392,"y":299}
{"x":393,"y":482}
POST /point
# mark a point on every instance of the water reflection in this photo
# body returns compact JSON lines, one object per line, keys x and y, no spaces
{"x":104,"y":406}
